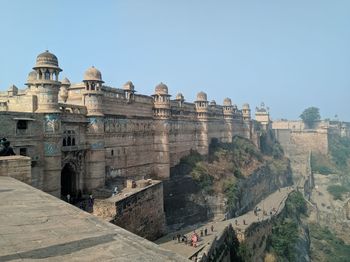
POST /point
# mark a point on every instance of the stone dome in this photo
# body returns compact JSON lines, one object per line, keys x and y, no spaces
{"x":227,"y":102}
{"x":201,"y":96}
{"x":129,"y":86}
{"x":179,"y":96}
{"x":212,"y":103}
{"x":93,"y":74}
{"x":47,"y":60}
{"x":32,"y":76}
{"x":161,"y":89}
{"x":65,"y":81}
{"x":245,"y":106}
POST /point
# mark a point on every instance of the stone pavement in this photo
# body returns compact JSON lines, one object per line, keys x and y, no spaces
{"x":275,"y":201}
{"x":35,"y":225}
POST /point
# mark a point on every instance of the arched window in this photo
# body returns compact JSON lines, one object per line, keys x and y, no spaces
{"x":69,"y":138}
{"x":47,"y":75}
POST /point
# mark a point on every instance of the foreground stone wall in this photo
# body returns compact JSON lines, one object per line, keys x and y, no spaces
{"x":66,"y":233}
{"x":140,"y":212}
{"x":18,"y":167}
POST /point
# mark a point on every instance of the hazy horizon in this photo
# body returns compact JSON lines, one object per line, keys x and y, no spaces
{"x":289,"y":55}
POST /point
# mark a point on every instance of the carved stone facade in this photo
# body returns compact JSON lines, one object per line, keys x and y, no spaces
{"x":79,"y":135}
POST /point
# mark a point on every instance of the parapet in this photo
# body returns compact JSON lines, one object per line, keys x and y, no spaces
{"x":18,"y":167}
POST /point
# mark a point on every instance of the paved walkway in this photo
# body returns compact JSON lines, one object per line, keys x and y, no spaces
{"x":273,"y":203}
{"x":38,"y":226}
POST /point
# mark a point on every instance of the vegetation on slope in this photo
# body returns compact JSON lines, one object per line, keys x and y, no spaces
{"x":339,"y":148}
{"x":337,"y":162}
{"x":326,"y":246}
{"x":226,"y":163}
{"x":282,"y":241}
{"x":338,"y":191}
{"x":322,"y":164}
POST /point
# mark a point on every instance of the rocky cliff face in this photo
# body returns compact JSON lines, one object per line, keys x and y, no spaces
{"x":186,"y":203}
{"x":328,"y":212}
{"x":261,"y":183}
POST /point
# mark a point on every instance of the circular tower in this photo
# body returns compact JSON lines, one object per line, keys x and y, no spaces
{"x":161,"y":113}
{"x":63,"y":94}
{"x":228,"y":111}
{"x":95,"y":157}
{"x":31,"y":80}
{"x":202,"y":105}
{"x":246,"y":111}
{"x":129,"y":91}
{"x":180,"y":99}
{"x":227,"y":108}
{"x":161,"y":102}
{"x":93,"y":92}
{"x":46,"y":82}
{"x":202,"y":128}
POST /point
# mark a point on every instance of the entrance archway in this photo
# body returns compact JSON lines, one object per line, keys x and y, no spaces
{"x":68,"y":180}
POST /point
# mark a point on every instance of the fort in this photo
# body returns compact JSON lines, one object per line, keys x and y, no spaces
{"x":81,"y":135}
{"x":85,"y":137}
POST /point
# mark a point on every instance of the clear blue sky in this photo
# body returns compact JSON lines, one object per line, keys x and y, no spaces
{"x":288,"y":54}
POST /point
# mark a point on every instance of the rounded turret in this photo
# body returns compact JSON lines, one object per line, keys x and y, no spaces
{"x":47,"y":60}
{"x":161,"y":89}
{"x":227,"y":102}
{"x":246,"y":112}
{"x":161,"y":101}
{"x":202,"y":97}
{"x":46,"y":85}
{"x":32,"y":77}
{"x":63,"y":94}
{"x":202,"y":105}
{"x":227,"y":108}
{"x":180,"y":96}
{"x":93,"y":92}
{"x":65,"y":82}
{"x":93,"y":74}
{"x":129,"y":90}
{"x":129,"y":86}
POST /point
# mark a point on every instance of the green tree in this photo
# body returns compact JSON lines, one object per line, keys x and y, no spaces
{"x":310,"y":116}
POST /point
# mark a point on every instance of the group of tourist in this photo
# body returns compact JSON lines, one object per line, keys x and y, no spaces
{"x":194,"y":237}
{"x":84,"y":203}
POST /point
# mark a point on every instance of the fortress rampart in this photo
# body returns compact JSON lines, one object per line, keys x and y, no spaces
{"x":80,"y":135}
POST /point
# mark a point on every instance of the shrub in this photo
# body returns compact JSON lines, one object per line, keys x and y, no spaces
{"x":283,"y":239}
{"x":337,"y":191}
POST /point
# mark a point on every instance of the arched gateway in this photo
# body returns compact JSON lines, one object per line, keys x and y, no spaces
{"x":69,"y":180}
